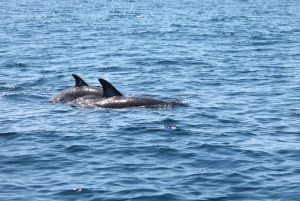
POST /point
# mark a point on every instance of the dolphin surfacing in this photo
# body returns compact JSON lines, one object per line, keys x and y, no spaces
{"x":112,"y":98}
{"x":81,"y":89}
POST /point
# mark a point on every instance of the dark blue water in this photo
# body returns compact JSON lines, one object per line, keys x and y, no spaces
{"x":235,"y":62}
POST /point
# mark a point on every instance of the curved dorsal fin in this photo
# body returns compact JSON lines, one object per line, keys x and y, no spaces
{"x":108,"y":89}
{"x":78,"y":81}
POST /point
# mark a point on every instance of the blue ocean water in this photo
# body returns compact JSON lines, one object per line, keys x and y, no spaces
{"x":235,"y":62}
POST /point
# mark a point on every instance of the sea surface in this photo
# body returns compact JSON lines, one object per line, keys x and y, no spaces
{"x":236,"y":63}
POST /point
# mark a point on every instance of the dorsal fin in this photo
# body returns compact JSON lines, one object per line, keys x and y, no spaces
{"x":78,"y":81}
{"x":108,"y":89}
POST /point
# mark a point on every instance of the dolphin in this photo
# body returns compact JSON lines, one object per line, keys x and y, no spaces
{"x":81,"y":89}
{"x":112,"y":98}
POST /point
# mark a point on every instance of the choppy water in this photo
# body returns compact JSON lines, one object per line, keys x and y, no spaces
{"x":235,"y":62}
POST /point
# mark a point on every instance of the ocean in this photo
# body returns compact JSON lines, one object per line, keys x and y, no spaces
{"x":236,"y":63}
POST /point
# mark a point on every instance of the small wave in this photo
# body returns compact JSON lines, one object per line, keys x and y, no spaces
{"x":166,"y":62}
{"x":77,"y":148}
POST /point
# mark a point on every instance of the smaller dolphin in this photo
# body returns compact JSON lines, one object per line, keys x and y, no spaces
{"x":112,"y":98}
{"x":81,"y":89}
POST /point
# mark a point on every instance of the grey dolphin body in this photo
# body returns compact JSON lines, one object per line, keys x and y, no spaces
{"x":112,"y":98}
{"x":81,"y":89}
